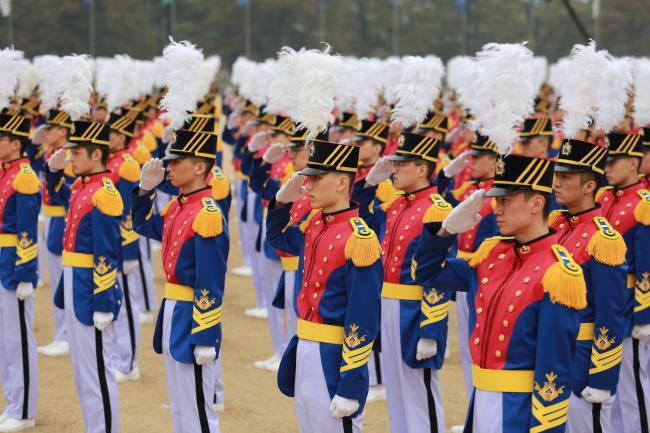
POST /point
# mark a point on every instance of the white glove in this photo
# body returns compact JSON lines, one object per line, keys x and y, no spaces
{"x":101,"y":320}
{"x":341,"y":407}
{"x":258,"y":141}
{"x":24,"y":290}
{"x":129,"y":266}
{"x":248,"y":128}
{"x":379,"y":172}
{"x":456,"y":165}
{"x":168,"y":133}
{"x":233,"y":120}
{"x":593,"y":395}
{"x":292,"y":190}
{"x":152,"y":174}
{"x":426,"y":349}
{"x":274,"y":153}
{"x":641,"y":332}
{"x":204,"y":354}
{"x":58,"y":160}
{"x":465,"y":215}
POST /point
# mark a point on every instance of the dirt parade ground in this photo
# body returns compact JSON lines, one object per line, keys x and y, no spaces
{"x":252,"y":399}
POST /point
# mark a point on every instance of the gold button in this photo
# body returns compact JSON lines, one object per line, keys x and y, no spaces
{"x":392,"y":269}
{"x":330,"y":247}
{"x":185,"y":222}
{"x":295,"y":215}
{"x":605,"y":198}
{"x":629,"y":205}
{"x":479,"y":310}
{"x":497,"y":354}
{"x":419,"y":209}
{"x":518,"y":293}
{"x":536,"y":268}
{"x":395,"y":258}
{"x":302,"y":296}
{"x":501,"y":256}
{"x":179,"y":232}
{"x":413,"y":218}
{"x":476,"y":341}
{"x":469,"y":236}
{"x":491,"y":265}
{"x":175,"y":243}
{"x":407,"y":227}
{"x":338,"y":237}
{"x":617,"y":223}
{"x":584,"y":235}
{"x":480,"y":295}
{"x":484,"y":280}
{"x":511,"y":308}
{"x":562,"y":225}
{"x":401,"y":238}
{"x":505,"y":323}
{"x":299,"y":207}
{"x":320,"y":272}
{"x":477,"y":326}
{"x":305,"y":284}
{"x":578,"y":245}
{"x":399,"y":248}
{"x":324,"y":259}
{"x":317,"y":223}
{"x":526,"y":280}
{"x":317,"y":285}
{"x":172,"y":254}
{"x":315,"y":295}
{"x":501,"y":337}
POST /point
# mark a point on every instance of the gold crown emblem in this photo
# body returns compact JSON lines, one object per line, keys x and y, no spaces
{"x":312,"y":149}
{"x":549,"y":391}
{"x":24,"y":241}
{"x":102,"y":267}
{"x":204,"y":302}
{"x":644,"y":284}
{"x":401,"y":141}
{"x":566,"y":148}
{"x":603,"y":342}
{"x":353,"y":339}
{"x":501,"y":166}
{"x":433,"y":296}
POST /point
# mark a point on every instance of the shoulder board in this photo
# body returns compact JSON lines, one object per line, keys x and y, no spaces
{"x":107,"y":199}
{"x":68,"y":171}
{"x":164,"y":210}
{"x":554,"y":216}
{"x":303,"y":225}
{"x":438,"y":210}
{"x":208,"y":222}
{"x":458,"y":192}
{"x":130,"y":169}
{"x":483,"y":251}
{"x":602,"y":190}
{"x":564,"y":280}
{"x":26,"y":181}
{"x":607,"y":245}
{"x":642,"y":209}
{"x":386,"y":191}
{"x":220,"y":184}
{"x":362,"y":246}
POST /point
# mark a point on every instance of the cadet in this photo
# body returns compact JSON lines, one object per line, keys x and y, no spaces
{"x":90,"y":291}
{"x":338,"y":303}
{"x":525,"y":297}
{"x":20,"y":203}
{"x":536,"y":137}
{"x":195,"y":246}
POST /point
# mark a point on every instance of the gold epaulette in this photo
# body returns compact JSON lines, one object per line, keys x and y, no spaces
{"x":642,"y":209}
{"x":107,"y":199}
{"x":149,"y":141}
{"x":438,"y":210}
{"x":483,"y":251}
{"x":141,"y":154}
{"x":564,"y":281}
{"x":219,"y":183}
{"x":303,"y":225}
{"x":157,"y":129}
{"x":458,"y":192}
{"x":208,"y":222}
{"x":602,"y":190}
{"x":362,"y":246}
{"x":68,"y":170}
{"x":130,"y":169}
{"x":386,"y":191}
{"x":164,"y":210}
{"x":26,"y":181}
{"x":607,"y":245}
{"x":554,"y":217}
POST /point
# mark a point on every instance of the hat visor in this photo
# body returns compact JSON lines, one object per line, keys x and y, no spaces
{"x":403,"y":158}
{"x":310,"y":171}
{"x":172,"y":156}
{"x":563,"y":168}
{"x":501,"y":192}
{"x":479,"y":152}
{"x":71,"y":145}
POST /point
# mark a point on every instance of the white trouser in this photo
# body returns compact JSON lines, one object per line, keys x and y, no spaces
{"x":312,"y":397}
{"x":127,"y":325}
{"x":627,"y":417}
{"x":244,"y":228}
{"x":145,"y":296}
{"x":374,"y":369}
{"x":585,"y":417}
{"x":218,"y":382}
{"x":55,"y":271}
{"x":289,"y":310}
{"x":191,"y":411}
{"x":269,"y":275}
{"x":248,"y":232}
{"x":462,"y":328}
{"x":488,"y":412}
{"x":413,"y":395}
{"x":92,"y":367}
{"x":17,"y":351}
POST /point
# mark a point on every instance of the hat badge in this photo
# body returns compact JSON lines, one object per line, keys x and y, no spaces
{"x":402,"y":139}
{"x":312,"y":149}
{"x":501,"y":166}
{"x":566,"y":148}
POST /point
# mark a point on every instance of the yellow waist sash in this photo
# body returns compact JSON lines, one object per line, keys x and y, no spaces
{"x":177,"y":292}
{"x":503,"y":380}
{"x":289,"y":263}
{"x":403,"y":292}
{"x":77,"y":260}
{"x":8,"y":240}
{"x":586,"y":331}
{"x":53,"y":211}
{"x":320,"y":332}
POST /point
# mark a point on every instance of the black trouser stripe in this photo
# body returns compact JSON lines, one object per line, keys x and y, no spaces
{"x":431,"y":402}
{"x":147,"y":307}
{"x":636,"y":366}
{"x":103,"y":386}
{"x":200,"y":398}
{"x":377,"y":367}
{"x":129,"y":316}
{"x":347,"y":424}
{"x":25,"y":353}
{"x":595,"y":417}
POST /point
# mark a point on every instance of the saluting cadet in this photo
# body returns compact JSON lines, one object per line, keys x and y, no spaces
{"x":600,"y":251}
{"x":626,"y":205}
{"x":195,"y":246}
{"x":125,"y":172}
{"x":325,"y":365}
{"x":90,"y":290}
{"x":413,"y":318}
{"x":20,"y":203}
{"x":58,"y":130}
{"x":525,"y":296}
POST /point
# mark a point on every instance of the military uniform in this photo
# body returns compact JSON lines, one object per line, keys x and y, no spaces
{"x":195,"y":247}
{"x":525,"y":302}
{"x":338,"y":303}
{"x":19,"y":207}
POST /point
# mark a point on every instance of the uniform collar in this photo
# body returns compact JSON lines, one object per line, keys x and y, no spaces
{"x":530,"y":248}
{"x":421,"y":193}
{"x":94,"y":177}
{"x":485,"y":183}
{"x":117,"y":153}
{"x":340,"y":216}
{"x":585,"y":215}
{"x":185,"y":199}
{"x":628,"y":190}
{"x":8,"y":165}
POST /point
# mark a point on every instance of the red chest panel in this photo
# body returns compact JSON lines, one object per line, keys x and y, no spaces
{"x":508,"y":282}
{"x":403,"y":224}
{"x":325,"y":241}
{"x":8,"y":172}
{"x":300,"y":208}
{"x":81,"y":204}
{"x":279,"y":169}
{"x":575,"y":231}
{"x":618,"y":207}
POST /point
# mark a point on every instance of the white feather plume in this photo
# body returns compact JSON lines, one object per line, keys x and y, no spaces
{"x":540,"y":71}
{"x":76,"y":85}
{"x":557,"y":72}
{"x":160,"y":73}
{"x":122,"y":82}
{"x":144,"y":77}
{"x":642,"y":91}
{"x":182,"y":68}
{"x":612,"y":97}
{"x":584,"y":75}
{"x":504,"y":92}
{"x":282,"y":92}
{"x":261,"y":81}
{"x":49,"y":70}
{"x":315,"y":77}
{"x":209,"y":70}
{"x":10,"y":65}
{"x":418,"y":88}
{"x":366,"y":81}
{"x":391,"y":73}
{"x":28,"y":80}
{"x":462,"y":73}
{"x":345,"y":90}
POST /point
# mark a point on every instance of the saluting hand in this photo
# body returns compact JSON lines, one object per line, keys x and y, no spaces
{"x":258,"y":141}
{"x":152,"y":174}
{"x":465,"y":215}
{"x":58,"y":160}
{"x":456,"y":165}
{"x":274,"y":153}
{"x":292,"y":190}
{"x":381,"y":171}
